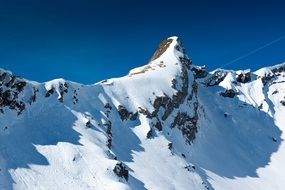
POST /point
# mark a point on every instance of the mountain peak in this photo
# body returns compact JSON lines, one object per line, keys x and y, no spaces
{"x":166,"y":125}
{"x":169,"y":58}
{"x":170,"y":44}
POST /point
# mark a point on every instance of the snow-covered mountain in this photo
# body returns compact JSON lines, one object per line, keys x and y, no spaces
{"x":168,"y":125}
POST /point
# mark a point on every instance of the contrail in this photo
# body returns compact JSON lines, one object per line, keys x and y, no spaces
{"x":253,"y":51}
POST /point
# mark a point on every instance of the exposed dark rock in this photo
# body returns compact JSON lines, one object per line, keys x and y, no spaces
{"x":278,"y":69}
{"x":160,"y":101}
{"x":229,"y":93}
{"x":266,"y":78}
{"x":88,"y":124}
{"x":162,"y":48}
{"x":134,"y":116}
{"x":74,"y":98}
{"x":149,"y":134}
{"x":108,"y":125}
{"x":19,"y":86}
{"x":21,"y":107}
{"x":199,"y":72}
{"x":9,"y":99}
{"x":109,"y":136}
{"x":123,"y":112}
{"x":274,"y":82}
{"x":170,"y":146}
{"x":108,"y":106}
{"x":187,"y":125}
{"x":63,"y":89}
{"x":274,"y":139}
{"x":206,"y":186}
{"x":180,"y":96}
{"x":2,"y":76}
{"x":216,"y":78}
{"x":158,"y":126}
{"x":244,"y":77}
{"x":121,"y":171}
{"x":11,"y":82}
{"x":170,"y":103}
{"x":282,"y":102}
{"x":34,"y":96}
{"x":189,"y":167}
{"x":109,"y":142}
{"x":144,"y":111}
{"x":275,"y":92}
{"x":49,"y":92}
{"x":186,"y":62}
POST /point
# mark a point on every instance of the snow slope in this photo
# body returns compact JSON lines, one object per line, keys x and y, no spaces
{"x":168,"y":125}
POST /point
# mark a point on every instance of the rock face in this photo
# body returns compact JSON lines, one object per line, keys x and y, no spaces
{"x":244,"y":77}
{"x":215,"y":78}
{"x":199,"y":72}
{"x":121,"y":171}
{"x":187,"y":125}
{"x":10,"y":88}
{"x":162,"y":48}
{"x":125,"y":114}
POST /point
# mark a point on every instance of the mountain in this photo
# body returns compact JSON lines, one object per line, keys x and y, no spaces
{"x":168,"y":125}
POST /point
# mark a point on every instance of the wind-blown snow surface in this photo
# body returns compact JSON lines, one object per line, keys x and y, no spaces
{"x":171,"y":124}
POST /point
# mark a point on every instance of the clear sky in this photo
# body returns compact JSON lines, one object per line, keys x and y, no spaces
{"x":89,"y":40}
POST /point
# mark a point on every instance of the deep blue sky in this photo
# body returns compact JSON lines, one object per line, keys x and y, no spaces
{"x":87,"y":41}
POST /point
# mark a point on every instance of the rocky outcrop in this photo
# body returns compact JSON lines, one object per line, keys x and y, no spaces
{"x":10,"y":89}
{"x":108,"y":125}
{"x":34,"y":96}
{"x":74,"y":98}
{"x":278,"y":69}
{"x":199,"y":72}
{"x":49,"y":92}
{"x":215,"y":78}
{"x":229,"y":93}
{"x":187,"y":125}
{"x":125,"y":114}
{"x":244,"y":77}
{"x":162,"y":48}
{"x":62,"y":90}
{"x":266,"y":78}
{"x":121,"y":171}
{"x":178,"y":98}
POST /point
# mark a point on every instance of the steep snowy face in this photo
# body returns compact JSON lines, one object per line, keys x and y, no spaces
{"x":166,"y":125}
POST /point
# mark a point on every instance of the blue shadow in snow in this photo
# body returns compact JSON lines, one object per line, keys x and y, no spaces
{"x":18,"y":146}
